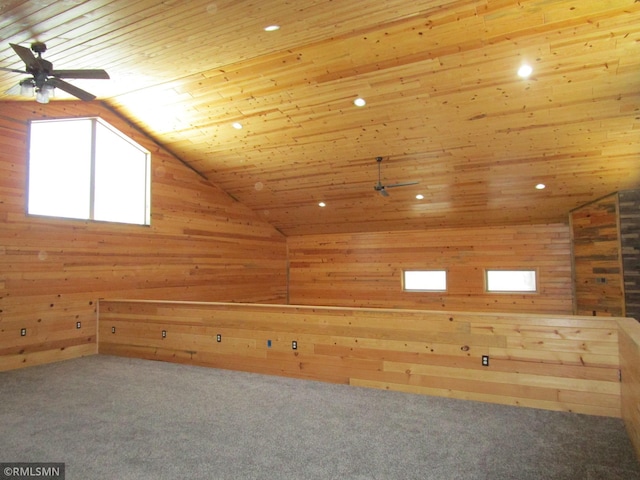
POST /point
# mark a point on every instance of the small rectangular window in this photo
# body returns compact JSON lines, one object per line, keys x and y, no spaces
{"x":424,"y":280}
{"x":511,"y":281}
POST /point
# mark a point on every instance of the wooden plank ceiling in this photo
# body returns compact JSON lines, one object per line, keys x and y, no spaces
{"x":445,"y":106}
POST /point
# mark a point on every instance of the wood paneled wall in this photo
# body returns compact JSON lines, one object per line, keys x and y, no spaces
{"x":629,"y":207}
{"x":597,"y":266}
{"x":201,"y":245}
{"x":365,"y":270}
{"x":544,"y":361}
{"x":630,"y":372}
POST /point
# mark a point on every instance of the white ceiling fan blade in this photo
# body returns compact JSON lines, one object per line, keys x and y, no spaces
{"x":383,"y":188}
{"x":405,"y":184}
{"x":380,"y":188}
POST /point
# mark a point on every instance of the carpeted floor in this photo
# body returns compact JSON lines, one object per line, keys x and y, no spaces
{"x":116,"y":418}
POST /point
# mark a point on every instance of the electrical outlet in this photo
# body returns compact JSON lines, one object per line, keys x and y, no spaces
{"x":485,"y":360}
{"x":113,"y":329}
{"x":294,"y":345}
{"x":78,"y":325}
{"x":164,"y":334}
{"x":23,"y":332}
{"x":218,"y":338}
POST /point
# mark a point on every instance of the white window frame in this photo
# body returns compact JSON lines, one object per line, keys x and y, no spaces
{"x":406,"y":288}
{"x":515,"y":271}
{"x":95,"y":123}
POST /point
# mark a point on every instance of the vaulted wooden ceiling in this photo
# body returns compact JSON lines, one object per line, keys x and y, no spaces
{"x":445,"y":106}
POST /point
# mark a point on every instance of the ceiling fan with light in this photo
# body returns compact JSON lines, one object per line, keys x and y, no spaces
{"x":383,"y":188}
{"x":44,"y":79}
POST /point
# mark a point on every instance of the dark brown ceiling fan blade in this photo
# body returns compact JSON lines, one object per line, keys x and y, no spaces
{"x":13,"y":70}
{"x":72,"y":89}
{"x":97,"y":74}
{"x":25,"y":55}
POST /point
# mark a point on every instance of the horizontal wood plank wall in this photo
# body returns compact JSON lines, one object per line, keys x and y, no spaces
{"x":597,"y":265}
{"x":201,"y":245}
{"x":552,"y":362}
{"x":629,"y":208}
{"x":365,"y":270}
{"x":630,"y":373}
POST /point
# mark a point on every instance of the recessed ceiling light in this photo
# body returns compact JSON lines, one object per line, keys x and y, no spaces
{"x":419,"y":196}
{"x":272,"y":28}
{"x":524,"y":71}
{"x":541,"y":186}
{"x":359,"y":102}
{"x":237,"y":125}
{"x":322,"y":204}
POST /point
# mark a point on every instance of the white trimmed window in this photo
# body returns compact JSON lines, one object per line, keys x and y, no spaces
{"x":83,"y":168}
{"x":510,"y":281}
{"x":424,"y":280}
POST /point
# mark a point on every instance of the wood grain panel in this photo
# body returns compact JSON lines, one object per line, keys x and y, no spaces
{"x":629,"y":208}
{"x":597,"y":267}
{"x":201,"y":245}
{"x":567,"y":363}
{"x":630,"y":373}
{"x":365,"y":270}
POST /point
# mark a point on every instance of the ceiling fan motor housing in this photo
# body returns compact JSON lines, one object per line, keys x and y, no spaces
{"x":39,"y":47}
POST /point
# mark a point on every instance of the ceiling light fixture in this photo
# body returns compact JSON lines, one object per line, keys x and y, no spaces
{"x":43,"y":94}
{"x":540,"y":186}
{"x":272,"y":28}
{"x":26,"y":87}
{"x":237,"y":125}
{"x":322,"y":204}
{"x":420,"y":196}
{"x":524,"y":71}
{"x":359,"y":102}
